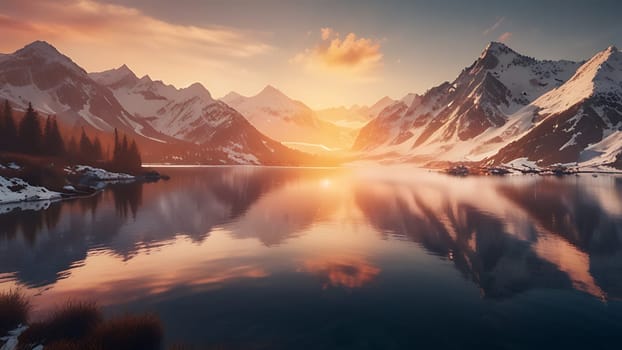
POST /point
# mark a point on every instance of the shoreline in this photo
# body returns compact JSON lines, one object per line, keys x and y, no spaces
{"x":87,"y":182}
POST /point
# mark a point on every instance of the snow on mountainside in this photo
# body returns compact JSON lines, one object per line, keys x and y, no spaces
{"x":179,"y":113}
{"x":581,"y":121}
{"x":287,"y":120}
{"x":462,"y":120}
{"x":169,"y":124}
{"x":17,"y":190}
{"x":38,"y":73}
{"x":191,"y":114}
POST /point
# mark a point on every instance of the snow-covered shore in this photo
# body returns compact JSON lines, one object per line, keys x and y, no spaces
{"x":16,"y":193}
{"x":97,"y":173}
{"x":14,"y":190}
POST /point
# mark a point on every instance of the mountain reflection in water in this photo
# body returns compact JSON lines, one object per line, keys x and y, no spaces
{"x":289,"y":234}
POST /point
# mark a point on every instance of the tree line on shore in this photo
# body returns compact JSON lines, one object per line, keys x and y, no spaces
{"x":29,"y":136}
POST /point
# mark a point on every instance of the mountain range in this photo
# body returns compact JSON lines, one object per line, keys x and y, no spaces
{"x":354,"y":116}
{"x":505,"y":108}
{"x":508,"y":108}
{"x":172,"y":125}
{"x":290,"y":121}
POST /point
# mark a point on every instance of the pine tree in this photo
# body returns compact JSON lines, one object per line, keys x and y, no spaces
{"x":47,"y":137}
{"x":86,"y":147}
{"x":126,"y":156}
{"x":30,"y":132}
{"x":116,"y":149}
{"x":72,"y":148}
{"x":134,"y":157}
{"x":97,"y":149}
{"x":124,"y":162}
{"x":124,"y":145}
{"x":58,"y":145}
{"x":9,"y":138}
{"x":52,"y":140}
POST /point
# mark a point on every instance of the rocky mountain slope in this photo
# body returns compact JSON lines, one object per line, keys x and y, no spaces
{"x":38,"y":73}
{"x":581,"y":121}
{"x":170,"y":124}
{"x":507,"y":106}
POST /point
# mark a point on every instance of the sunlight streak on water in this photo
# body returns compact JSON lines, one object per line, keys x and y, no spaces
{"x":388,"y":242}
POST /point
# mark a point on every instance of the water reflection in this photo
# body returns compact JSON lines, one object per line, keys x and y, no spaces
{"x":510,"y":236}
{"x":341,"y":271}
{"x":507,"y":236}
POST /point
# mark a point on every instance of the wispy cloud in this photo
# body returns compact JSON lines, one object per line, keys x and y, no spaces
{"x":504,"y":37}
{"x":494,"y":26}
{"x":121,"y":30}
{"x":352,"y":53}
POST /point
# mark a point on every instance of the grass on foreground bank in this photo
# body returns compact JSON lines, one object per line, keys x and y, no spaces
{"x":14,"y":310}
{"x":79,"y":325}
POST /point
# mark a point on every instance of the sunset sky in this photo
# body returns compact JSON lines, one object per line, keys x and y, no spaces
{"x":323,"y":52}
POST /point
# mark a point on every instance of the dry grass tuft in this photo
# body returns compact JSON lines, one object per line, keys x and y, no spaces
{"x":14,"y":309}
{"x":73,"y":321}
{"x":130,"y":332}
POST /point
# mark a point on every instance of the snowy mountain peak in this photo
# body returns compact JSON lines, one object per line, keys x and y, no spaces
{"x":43,"y":51}
{"x":385,"y":101}
{"x":602,"y":69}
{"x":146,"y":78}
{"x":497,"y":48}
{"x":409,"y":98}
{"x":271,"y":91}
{"x":122,"y":76}
{"x":124,"y":69}
{"x":496,"y":56}
{"x":231,"y":96}
{"x":39,"y":47}
{"x":197,"y":90}
{"x":600,"y":75}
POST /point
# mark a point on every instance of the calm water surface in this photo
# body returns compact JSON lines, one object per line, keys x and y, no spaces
{"x":259,"y":258}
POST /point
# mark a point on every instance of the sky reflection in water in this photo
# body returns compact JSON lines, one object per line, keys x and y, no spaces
{"x":340,"y":258}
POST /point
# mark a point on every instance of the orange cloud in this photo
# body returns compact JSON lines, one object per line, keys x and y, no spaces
{"x":101,"y":36}
{"x":348,"y":272}
{"x":504,"y":37}
{"x":351,"y":52}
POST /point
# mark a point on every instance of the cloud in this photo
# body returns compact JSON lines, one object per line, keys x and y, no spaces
{"x":494,"y":27}
{"x":107,"y":30}
{"x":504,"y":37}
{"x":345,"y":272}
{"x":350,"y":53}
{"x":326,"y":33}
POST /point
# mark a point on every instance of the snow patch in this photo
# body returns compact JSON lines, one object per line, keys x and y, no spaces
{"x":14,"y":190}
{"x":97,"y":173}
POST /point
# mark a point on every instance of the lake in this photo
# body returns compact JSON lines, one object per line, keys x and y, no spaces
{"x":336,"y":258}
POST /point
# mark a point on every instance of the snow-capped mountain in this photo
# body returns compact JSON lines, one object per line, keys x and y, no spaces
{"x":580,"y":121}
{"x":354,"y":116}
{"x":289,"y":121}
{"x":469,"y":118}
{"x":38,"y":73}
{"x":169,"y":124}
{"x":191,"y":114}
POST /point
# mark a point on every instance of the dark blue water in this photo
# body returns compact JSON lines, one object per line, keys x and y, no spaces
{"x":386,"y":258}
